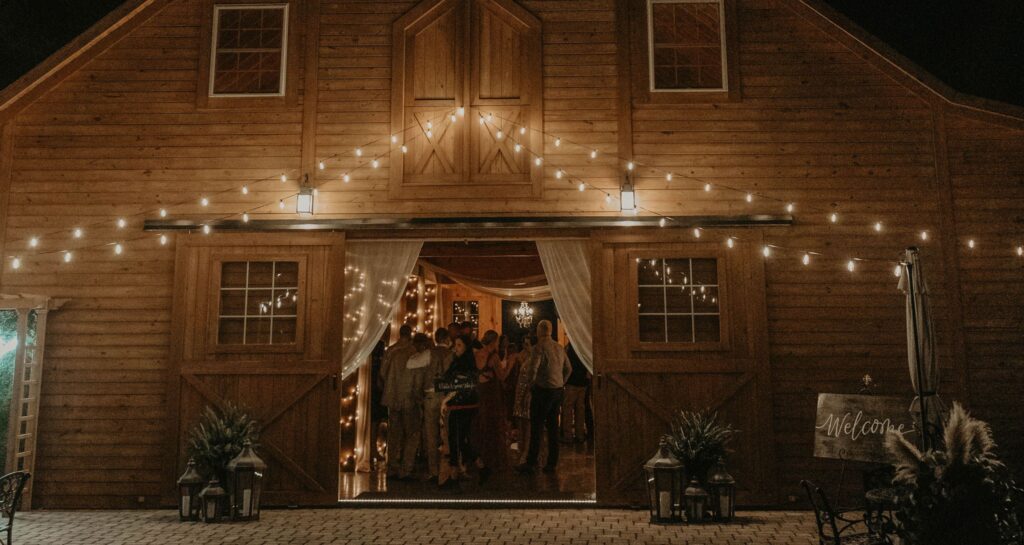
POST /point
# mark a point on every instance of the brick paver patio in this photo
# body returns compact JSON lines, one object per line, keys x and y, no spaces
{"x":407,"y":527}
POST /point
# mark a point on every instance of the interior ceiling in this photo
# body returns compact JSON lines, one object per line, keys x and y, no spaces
{"x":495,"y":261}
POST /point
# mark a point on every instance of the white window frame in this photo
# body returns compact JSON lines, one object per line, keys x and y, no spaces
{"x":282,"y":83}
{"x":721,"y":38}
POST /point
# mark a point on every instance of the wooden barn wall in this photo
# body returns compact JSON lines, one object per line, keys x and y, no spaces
{"x":986,"y":171}
{"x":817,"y":124}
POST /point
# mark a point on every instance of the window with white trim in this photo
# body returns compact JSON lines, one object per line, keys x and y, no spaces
{"x":686,"y":45}
{"x":678,"y":300}
{"x":249,"y":53}
{"x":258,"y":303}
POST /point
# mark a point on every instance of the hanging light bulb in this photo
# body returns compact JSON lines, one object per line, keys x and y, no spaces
{"x":581,"y":187}
{"x":394,"y":139}
{"x":118,"y":250}
{"x":163,"y":240}
{"x":33,"y":242}
{"x":607,"y":198}
{"x":284,"y":178}
{"x":593,"y":154}
{"x":322,"y":165}
{"x":767,"y":251}
{"x":878,"y":227}
{"x":517,"y":147}
{"x":924,"y":235}
{"x":16,"y":263}
{"x":850,"y":265}
{"x":806,"y":259}
{"x":206,"y":229}
{"x":537,"y":161}
{"x":707,"y":187}
{"x":121,"y":223}
{"x":67,"y":256}
{"x":696,"y":232}
{"x":1020,"y":250}
{"x":163,"y":212}
{"x":346,"y":178}
{"x":522,"y":130}
{"x":499,"y":135}
{"x":630,"y":165}
{"x":558,"y":142}
{"x":970,"y":243}
{"x":245,"y":217}
{"x":490,"y":117}
{"x":359,"y":152}
{"x":375,"y":163}
{"x":280,"y":204}
{"x":461,"y":111}
{"x":668,"y":177}
{"x":730,"y":242}
{"x":898,"y":271}
{"x":204,"y":202}
{"x":833,"y":217}
{"x":481,"y":119}
{"x":790,"y":207}
{"x":430,"y":133}
{"x":662,"y":222}
{"x":77,"y":233}
{"x":452,"y":118}
{"x":750,"y":197}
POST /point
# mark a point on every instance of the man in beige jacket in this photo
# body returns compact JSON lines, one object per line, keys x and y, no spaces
{"x":404,"y":374}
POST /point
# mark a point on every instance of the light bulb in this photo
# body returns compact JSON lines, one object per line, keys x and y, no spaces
{"x":750,"y":197}
{"x":662,"y":222}
{"x":394,"y":139}
{"x":461,"y":110}
{"x":924,"y":235}
{"x":375,"y":163}
{"x":77,"y":233}
{"x":452,"y":118}
{"x":121,"y":223}
{"x":707,"y":187}
{"x":1020,"y":250}
{"x":898,"y":271}
{"x":284,"y":178}
{"x":537,"y":161}
{"x":346,"y":178}
{"x":206,"y":229}
{"x":970,"y":243}
{"x":790,"y":207}
{"x":878,"y":226}
{"x":593,"y":154}
{"x":481,"y":120}
{"x":607,"y":198}
{"x":280,"y":204}
{"x":499,"y":135}
{"x":245,"y":217}
{"x":806,"y":259}
{"x":522,"y":130}
{"x":767,"y":251}
{"x":16,"y":263}
{"x":405,"y":149}
{"x":67,"y":257}
{"x":833,"y":217}
{"x":730,"y":242}
{"x":33,"y":242}
{"x":163,"y":212}
{"x":696,"y":232}
{"x":118,"y":249}
{"x":581,"y":187}
{"x":490,"y":117}
{"x":668,"y":177}
{"x":630,"y":165}
{"x":558,"y":174}
{"x":163,"y":240}
{"x":359,"y":152}
{"x":558,"y":142}
{"x":430,"y":133}
{"x":850,"y":265}
{"x":517,"y":147}
{"x":204,"y":202}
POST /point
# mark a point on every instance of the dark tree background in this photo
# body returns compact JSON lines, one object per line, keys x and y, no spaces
{"x":976,"y":46}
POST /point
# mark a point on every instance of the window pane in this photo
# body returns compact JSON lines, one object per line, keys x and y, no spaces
{"x":257,"y":331}
{"x":649,"y":272}
{"x":284,"y":330}
{"x":249,"y":51}
{"x":652,"y":329}
{"x":229,"y":330}
{"x":686,"y":48}
{"x":258,"y":302}
{"x":651,"y":300}
{"x":232,"y":302}
{"x":680,"y":329}
{"x":705,"y":271}
{"x":678,"y":301}
{"x":707,"y":328}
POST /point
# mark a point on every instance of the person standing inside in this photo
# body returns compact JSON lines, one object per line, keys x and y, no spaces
{"x":574,"y":408}
{"x":405,"y":371}
{"x":548,"y":389}
{"x":441,"y":357}
{"x":527,"y":370}
{"x":460,"y":380}
{"x":491,"y":427}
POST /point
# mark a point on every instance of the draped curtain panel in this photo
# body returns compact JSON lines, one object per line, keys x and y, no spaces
{"x":376,"y":273}
{"x":536,"y":290}
{"x":567,"y":268}
{"x":364,"y":432}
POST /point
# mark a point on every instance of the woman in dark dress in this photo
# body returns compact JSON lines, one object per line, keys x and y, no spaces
{"x":461,"y":378}
{"x":491,"y":428}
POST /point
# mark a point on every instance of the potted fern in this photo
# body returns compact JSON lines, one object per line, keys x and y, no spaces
{"x":218,"y":437}
{"x":959,"y":494}
{"x":699,"y":440}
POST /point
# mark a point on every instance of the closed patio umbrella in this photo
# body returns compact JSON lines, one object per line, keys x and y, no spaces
{"x":924,"y":368}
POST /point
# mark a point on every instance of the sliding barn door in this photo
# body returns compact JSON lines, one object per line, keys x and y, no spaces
{"x":257,"y":323}
{"x":679,"y":325}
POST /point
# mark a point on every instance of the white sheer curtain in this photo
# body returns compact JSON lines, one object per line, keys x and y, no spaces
{"x":567,"y":268}
{"x":376,"y":273}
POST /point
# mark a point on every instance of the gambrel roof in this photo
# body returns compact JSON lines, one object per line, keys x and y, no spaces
{"x":133,"y":13}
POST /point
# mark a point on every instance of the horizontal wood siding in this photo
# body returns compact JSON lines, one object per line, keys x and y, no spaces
{"x":986,"y":164}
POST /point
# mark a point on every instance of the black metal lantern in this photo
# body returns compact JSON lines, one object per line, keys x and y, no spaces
{"x":664,"y":474}
{"x":189,"y":485}
{"x":213,"y":502}
{"x":722,"y":493}
{"x":696,"y":500}
{"x":246,"y":477}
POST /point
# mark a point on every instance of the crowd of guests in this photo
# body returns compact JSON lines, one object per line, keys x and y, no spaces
{"x":461,"y":400}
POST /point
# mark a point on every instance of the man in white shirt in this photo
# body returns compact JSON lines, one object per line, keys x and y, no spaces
{"x":552,"y":370}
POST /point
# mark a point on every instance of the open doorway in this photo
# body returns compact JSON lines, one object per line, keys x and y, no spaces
{"x":470,"y":289}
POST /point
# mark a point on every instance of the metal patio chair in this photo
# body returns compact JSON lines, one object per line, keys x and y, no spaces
{"x":11,"y":487}
{"x":835,"y":527}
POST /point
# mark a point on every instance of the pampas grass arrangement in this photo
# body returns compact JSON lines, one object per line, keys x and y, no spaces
{"x":960,"y":494}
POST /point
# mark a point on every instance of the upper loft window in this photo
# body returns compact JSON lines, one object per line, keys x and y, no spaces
{"x":686,"y":45}
{"x":250,"y":50}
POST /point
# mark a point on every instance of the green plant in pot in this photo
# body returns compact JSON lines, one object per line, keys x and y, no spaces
{"x":959,"y":494}
{"x":699,"y":439}
{"x":218,"y":437}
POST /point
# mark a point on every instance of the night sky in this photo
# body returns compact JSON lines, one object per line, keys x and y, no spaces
{"x":976,"y":46}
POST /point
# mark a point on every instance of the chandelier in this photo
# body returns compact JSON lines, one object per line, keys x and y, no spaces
{"x":524,"y":315}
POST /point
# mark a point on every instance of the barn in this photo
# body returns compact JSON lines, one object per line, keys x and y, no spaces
{"x":183,"y":152}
